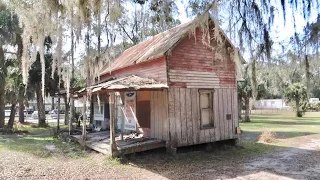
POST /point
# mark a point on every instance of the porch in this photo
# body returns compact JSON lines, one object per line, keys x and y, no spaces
{"x":100,"y":142}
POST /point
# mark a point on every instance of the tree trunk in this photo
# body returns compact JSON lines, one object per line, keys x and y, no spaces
{"x":21,"y":86}
{"x":247,"y":113}
{"x":72,"y":109}
{"x":298,"y":112}
{"x":84,"y":133}
{"x":91,"y":110}
{"x":308,"y":74}
{"x":72,"y":113}
{"x":21,"y":104}
{"x":89,"y":78}
{"x":2,"y":85}
{"x":40,"y":105}
{"x":253,"y":79}
{"x":67,"y":110}
{"x":12,"y":115}
{"x":52,"y":103}
{"x":99,"y":33}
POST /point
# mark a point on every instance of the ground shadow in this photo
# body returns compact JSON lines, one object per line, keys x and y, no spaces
{"x":254,"y":135}
{"x":301,"y":122}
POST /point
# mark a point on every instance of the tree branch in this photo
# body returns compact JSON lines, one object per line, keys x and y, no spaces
{"x":124,"y":30}
{"x":8,"y":52}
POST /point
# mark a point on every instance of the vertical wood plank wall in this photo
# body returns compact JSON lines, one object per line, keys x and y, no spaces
{"x":184,"y":116}
{"x":159,"y":115}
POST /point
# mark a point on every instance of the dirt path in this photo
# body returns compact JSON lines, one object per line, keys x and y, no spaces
{"x":299,"y":160}
{"x":17,"y":165}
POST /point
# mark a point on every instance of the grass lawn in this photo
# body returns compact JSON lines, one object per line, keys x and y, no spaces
{"x":37,"y":141}
{"x":222,"y":160}
{"x":285,"y":123}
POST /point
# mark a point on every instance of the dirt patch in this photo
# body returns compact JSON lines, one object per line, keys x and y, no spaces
{"x":296,"y":162}
{"x":298,"y":159}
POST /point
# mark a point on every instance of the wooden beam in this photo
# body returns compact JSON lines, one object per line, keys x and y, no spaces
{"x":142,"y":146}
{"x":106,"y":91}
{"x":112,"y":124}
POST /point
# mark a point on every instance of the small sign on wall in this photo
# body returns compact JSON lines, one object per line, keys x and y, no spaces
{"x":130,"y":111}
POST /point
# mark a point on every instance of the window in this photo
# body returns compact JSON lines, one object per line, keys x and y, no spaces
{"x":206,"y":108}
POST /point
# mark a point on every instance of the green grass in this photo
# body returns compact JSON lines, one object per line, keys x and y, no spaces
{"x":114,"y":161}
{"x":34,"y":130}
{"x":35,"y":141}
{"x":27,"y":144}
{"x":286,"y":123}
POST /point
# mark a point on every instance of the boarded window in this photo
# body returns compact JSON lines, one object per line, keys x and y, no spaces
{"x":143,"y":108}
{"x":206,"y":108}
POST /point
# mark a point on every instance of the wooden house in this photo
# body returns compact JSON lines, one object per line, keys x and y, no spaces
{"x":184,"y":92}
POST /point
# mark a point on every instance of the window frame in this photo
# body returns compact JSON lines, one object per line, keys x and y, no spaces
{"x":211,"y":108}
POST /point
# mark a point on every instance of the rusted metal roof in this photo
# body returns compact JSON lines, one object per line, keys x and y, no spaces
{"x":152,"y":48}
{"x":126,"y":83}
{"x":158,"y":45}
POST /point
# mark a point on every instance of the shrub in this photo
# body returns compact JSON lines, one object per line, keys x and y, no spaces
{"x":315,"y":106}
{"x":297,"y":93}
{"x":267,"y":136}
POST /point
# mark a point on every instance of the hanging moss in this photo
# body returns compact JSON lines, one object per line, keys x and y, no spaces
{"x":45,"y":18}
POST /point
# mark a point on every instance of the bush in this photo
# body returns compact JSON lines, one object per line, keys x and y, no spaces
{"x":267,"y":136}
{"x":297,"y":94}
{"x":315,"y":106}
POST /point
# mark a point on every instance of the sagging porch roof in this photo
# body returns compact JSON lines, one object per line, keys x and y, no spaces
{"x":130,"y":83}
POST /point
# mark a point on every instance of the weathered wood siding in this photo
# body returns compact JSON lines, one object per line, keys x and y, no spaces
{"x":155,"y":69}
{"x":159,"y":115}
{"x":192,"y":65}
{"x":184,"y":116}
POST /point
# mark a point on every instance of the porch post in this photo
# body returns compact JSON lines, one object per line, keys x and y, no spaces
{"x":112,"y":124}
{"x":58,"y":117}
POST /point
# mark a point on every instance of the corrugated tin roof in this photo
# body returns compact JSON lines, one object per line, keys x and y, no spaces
{"x":158,"y":45}
{"x":152,"y":48}
{"x":126,"y":83}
